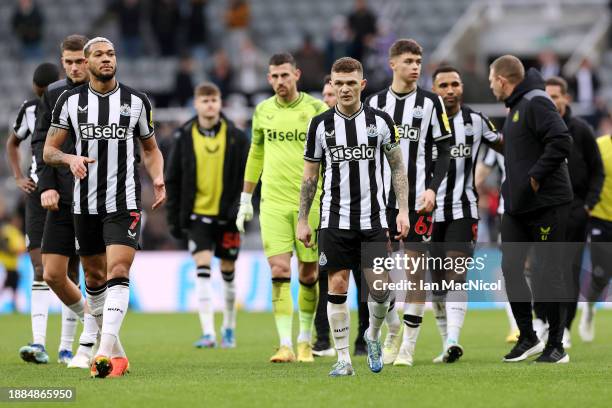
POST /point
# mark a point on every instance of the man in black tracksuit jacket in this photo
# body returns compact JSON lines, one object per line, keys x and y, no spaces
{"x":587,"y":176}
{"x":537,"y":194}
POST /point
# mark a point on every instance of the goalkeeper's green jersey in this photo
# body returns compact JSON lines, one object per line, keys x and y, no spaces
{"x":277,"y":149}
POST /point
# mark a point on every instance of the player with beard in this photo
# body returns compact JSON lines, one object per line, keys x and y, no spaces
{"x":455,"y":229}
{"x":108,"y":122}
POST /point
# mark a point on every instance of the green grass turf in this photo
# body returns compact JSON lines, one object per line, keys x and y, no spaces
{"x":168,"y":371}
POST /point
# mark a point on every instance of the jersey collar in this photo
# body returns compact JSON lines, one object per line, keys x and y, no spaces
{"x":109,"y":93}
{"x":400,"y":97}
{"x":292,"y":104}
{"x":353,"y":116}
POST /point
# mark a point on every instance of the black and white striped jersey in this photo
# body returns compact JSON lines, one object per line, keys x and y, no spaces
{"x":494,"y":159}
{"x":351,"y":154}
{"x":457,"y":197}
{"x":106,"y":128}
{"x":24,"y":127}
{"x":421,"y":121}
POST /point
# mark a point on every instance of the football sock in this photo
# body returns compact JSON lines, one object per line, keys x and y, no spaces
{"x":438,"y":302}
{"x":115,"y":308}
{"x":394,"y":324}
{"x":90,"y":331}
{"x":282,"y":307}
{"x":205,"y":308}
{"x":229,"y":288}
{"x":456,"y":307}
{"x":39,"y":311}
{"x":96,"y":296}
{"x":413,"y":317}
{"x":378,"y":311}
{"x":339,"y":323}
{"x":78,"y":308}
{"x":69,"y":325}
{"x":307,"y":305}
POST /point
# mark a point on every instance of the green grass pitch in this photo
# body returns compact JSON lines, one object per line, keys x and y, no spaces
{"x":166,"y":371}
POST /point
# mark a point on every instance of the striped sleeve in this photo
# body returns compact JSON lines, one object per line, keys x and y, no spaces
{"x":313,"y":150}
{"x":21,"y":124}
{"x":489,"y":132}
{"x":490,"y":158}
{"x":60,"y":115}
{"x":389,"y":133}
{"x":439,"y":121}
{"x":145,"y":121}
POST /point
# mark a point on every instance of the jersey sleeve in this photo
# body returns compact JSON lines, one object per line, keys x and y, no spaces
{"x":313,"y":150}
{"x":489,"y":132}
{"x":320,"y":107}
{"x":254,"y":165}
{"x":390,"y":134}
{"x":439,"y":121}
{"x":21,"y":124}
{"x":60,"y":116}
{"x":145,"y":120}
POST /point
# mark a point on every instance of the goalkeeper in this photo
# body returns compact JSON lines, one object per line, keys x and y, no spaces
{"x":279,"y":131}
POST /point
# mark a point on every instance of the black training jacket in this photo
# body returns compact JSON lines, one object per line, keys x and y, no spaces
{"x":181,"y":176}
{"x":585,"y":165}
{"x":56,"y":178}
{"x":537,"y":144}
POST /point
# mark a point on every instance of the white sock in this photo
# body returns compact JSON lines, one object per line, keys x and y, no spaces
{"x":89,"y":333}
{"x":438,"y":302}
{"x":229,"y":312}
{"x":204,"y":292}
{"x":78,"y":308}
{"x":95,"y":301}
{"x":39,"y":311}
{"x":339,"y":323}
{"x":511,"y":320}
{"x":69,"y":325}
{"x":413,"y":317}
{"x":394,"y":324}
{"x":378,"y":311}
{"x":115,"y":309}
{"x":456,"y":307}
{"x":118,"y":350}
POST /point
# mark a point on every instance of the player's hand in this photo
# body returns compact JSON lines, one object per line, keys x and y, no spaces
{"x":427,"y":201}
{"x":403,"y":225}
{"x":159,"y":188}
{"x":535,"y":186}
{"x":78,"y":166}
{"x":26,"y":184}
{"x":49,"y":200}
{"x":245,"y":211}
{"x":304,"y":233}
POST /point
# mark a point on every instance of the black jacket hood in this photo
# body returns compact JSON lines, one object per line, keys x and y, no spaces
{"x":533,"y":80}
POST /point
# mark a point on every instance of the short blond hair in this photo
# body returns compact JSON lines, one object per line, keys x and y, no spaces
{"x":510,"y":67}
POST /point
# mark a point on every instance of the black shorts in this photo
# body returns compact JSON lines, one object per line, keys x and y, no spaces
{"x":34,"y":220}
{"x":419,"y":234}
{"x":456,"y":235}
{"x":341,"y":249}
{"x":97,"y":231}
{"x":59,"y":237}
{"x":209,"y":233}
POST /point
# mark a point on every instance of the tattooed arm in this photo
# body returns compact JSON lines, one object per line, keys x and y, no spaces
{"x":53,"y":155}
{"x":399,"y":179}
{"x":393,"y":153}
{"x":307,"y":194}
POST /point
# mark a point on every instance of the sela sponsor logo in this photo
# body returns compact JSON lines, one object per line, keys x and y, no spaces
{"x":408,"y":132}
{"x":345,"y":153}
{"x":461,"y":150}
{"x":90,"y":131}
{"x":294,"y":135}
